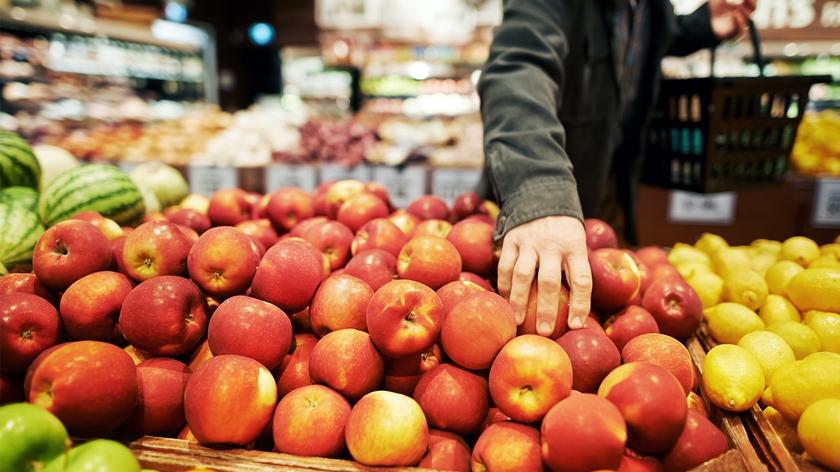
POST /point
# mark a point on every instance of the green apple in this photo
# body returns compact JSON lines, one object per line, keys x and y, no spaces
{"x":99,"y":455}
{"x":30,"y":437}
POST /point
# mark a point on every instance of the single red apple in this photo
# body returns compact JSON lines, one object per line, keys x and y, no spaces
{"x":431,"y":261}
{"x":298,"y":229}
{"x":652,"y":255}
{"x":229,"y":207}
{"x":429,"y":207}
{"x":28,"y":325}
{"x":628,"y":323}
{"x":223,"y":262}
{"x":191,"y":219}
{"x":404,"y":318}
{"x":507,"y":447}
{"x":260,"y":229}
{"x":69,"y":251}
{"x":405,"y":221}
{"x":388,"y":429}
{"x":465,"y":204}
{"x":452,"y":398}
{"x":699,"y":442}
{"x":453,"y":292}
{"x":615,"y":279}
{"x":379,"y":233}
{"x":288,"y":207}
{"x":375,"y":266}
{"x":474,"y":242}
{"x":288,"y":275}
{"x":333,"y":239}
{"x":310,"y":421}
{"x":154,"y":249}
{"x":110,"y":228}
{"x":599,"y":234}
{"x":675,"y":306}
{"x":91,"y":306}
{"x":436,"y":228}
{"x":251,"y":328}
{"x":447,"y":451}
{"x":475,"y":330}
{"x":664,"y":351}
{"x":361,"y":208}
{"x":340,"y":302}
{"x":347,"y":361}
{"x":593,"y":356}
{"x":24,"y":283}
{"x":160,"y":397}
{"x":340,"y":192}
{"x":294,"y":370}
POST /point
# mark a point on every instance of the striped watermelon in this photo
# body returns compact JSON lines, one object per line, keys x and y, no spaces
{"x":25,"y":196}
{"x":18,"y":164}
{"x":93,"y":187}
{"x":20,"y":229}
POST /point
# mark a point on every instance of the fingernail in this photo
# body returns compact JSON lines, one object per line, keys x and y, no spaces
{"x":544,"y":329}
{"x":576,"y":323}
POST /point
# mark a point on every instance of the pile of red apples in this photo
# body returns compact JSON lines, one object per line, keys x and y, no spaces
{"x":333,"y":325}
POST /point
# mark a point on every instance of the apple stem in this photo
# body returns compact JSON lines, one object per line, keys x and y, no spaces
{"x":60,"y":248}
{"x":26,"y":333}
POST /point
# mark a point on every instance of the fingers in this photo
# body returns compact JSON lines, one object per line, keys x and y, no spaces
{"x":549,"y":282}
{"x":506,"y":263}
{"x":740,"y":23}
{"x":523,"y":276}
{"x":580,"y":281}
{"x":749,"y":5}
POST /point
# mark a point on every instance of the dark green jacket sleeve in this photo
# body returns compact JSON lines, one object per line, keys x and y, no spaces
{"x":520,"y":90}
{"x":692,"y":32}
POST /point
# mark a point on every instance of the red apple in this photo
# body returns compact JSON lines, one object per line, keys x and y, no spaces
{"x":90,"y":386}
{"x":260,"y":209}
{"x":375,"y":266}
{"x":160,"y":397}
{"x":361,"y":208}
{"x":431,"y":261}
{"x":229,"y":207}
{"x":453,"y":292}
{"x":529,"y":376}
{"x":110,"y":228}
{"x":561,"y":320}
{"x":628,"y":323}
{"x":91,"y":306}
{"x":652,"y":403}
{"x":191,"y":219}
{"x":664,"y":271}
{"x":223,"y":262}
{"x":165,"y":316}
{"x":507,"y":447}
{"x":251,"y":328}
{"x":476,"y":279}
{"x":294,"y":370}
{"x":11,"y":388}
{"x":644,"y":272}
{"x":340,"y":302}
{"x":28,"y":325}
{"x":229,"y":400}
{"x":310,"y":421}
{"x":437,"y":228}
{"x":429,"y":207}
{"x":447,"y":451}
{"x":298,"y":229}
{"x":288,"y":275}
{"x":388,"y":429}
{"x":404,"y":318}
{"x":69,"y":251}
{"x":632,"y":462}
{"x":652,"y":255}
{"x":24,"y":283}
{"x":475,"y":330}
{"x":380,"y":191}
{"x":664,"y":351}
{"x":599,"y":234}
{"x":675,"y":306}
{"x":340,"y":192}
{"x":417,"y":364}
{"x":699,"y":442}
{"x":333,"y":239}
{"x":288,"y":207}
{"x":191,"y":234}
{"x":615,"y":279}
{"x":474,"y":242}
{"x":593,"y":356}
{"x":453,"y":399}
{"x":465,"y":204}
{"x":378,"y":234}
{"x":583,"y":432}
{"x":494,"y":415}
{"x":261,"y":230}
{"x":347,"y":361}
{"x":405,"y":221}
{"x":154,"y":249}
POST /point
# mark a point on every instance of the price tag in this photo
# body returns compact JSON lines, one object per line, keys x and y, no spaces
{"x":279,"y":176}
{"x":127,"y":167}
{"x":207,"y":179}
{"x":404,"y":185}
{"x":826,"y":211}
{"x":449,"y":183}
{"x":715,"y":209}
{"x":340,"y":172}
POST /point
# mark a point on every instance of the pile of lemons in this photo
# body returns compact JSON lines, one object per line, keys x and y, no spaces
{"x":817,"y":149}
{"x":774,"y":307}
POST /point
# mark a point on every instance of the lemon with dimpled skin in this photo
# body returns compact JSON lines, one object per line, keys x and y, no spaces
{"x":779,"y":274}
{"x":802,"y":339}
{"x":769,"y":349}
{"x":746,"y":287}
{"x":816,"y":289}
{"x":819,"y":432}
{"x":778,"y":308}
{"x":827,"y":327}
{"x":796,"y":386}
{"x":682,"y":253}
{"x":709,"y":287}
{"x":729,"y":322}
{"x":710,"y":243}
{"x":732,"y":378}
{"x":799,"y":249}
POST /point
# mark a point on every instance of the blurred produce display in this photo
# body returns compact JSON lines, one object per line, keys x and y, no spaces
{"x":817,"y":147}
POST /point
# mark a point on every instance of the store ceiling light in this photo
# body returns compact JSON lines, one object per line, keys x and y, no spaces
{"x":261,"y":34}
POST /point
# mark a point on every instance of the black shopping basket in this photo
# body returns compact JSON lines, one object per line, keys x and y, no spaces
{"x":717,"y":134}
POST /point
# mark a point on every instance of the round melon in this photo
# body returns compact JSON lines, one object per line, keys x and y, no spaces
{"x":24,"y":196}
{"x":54,"y":162}
{"x":93,"y":187}
{"x":18,"y":164}
{"x":21,"y":229}
{"x":163,"y":180}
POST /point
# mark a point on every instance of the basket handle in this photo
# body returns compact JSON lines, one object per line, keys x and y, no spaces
{"x":755,"y":41}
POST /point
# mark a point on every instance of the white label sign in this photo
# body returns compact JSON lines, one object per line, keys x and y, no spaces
{"x":404,"y":185}
{"x":340,"y":172}
{"x":205,"y":179}
{"x":281,"y":176}
{"x":827,"y":203}
{"x":449,"y":183}
{"x":716,"y":209}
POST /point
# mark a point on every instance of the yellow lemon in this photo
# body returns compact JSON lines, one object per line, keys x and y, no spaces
{"x":732,"y":378}
{"x":767,"y":245}
{"x":682,"y":253}
{"x":819,"y":432}
{"x":823,"y":355}
{"x":730,"y":259}
{"x":687,"y":269}
{"x":769,"y":349}
{"x":827,"y":327}
{"x":795,"y":386}
{"x":709,"y":287}
{"x":830,"y":249}
{"x":745,"y":287}
{"x":778,"y":308}
{"x":784,"y":428}
{"x":779,"y":274}
{"x":825,"y":260}
{"x":816,"y":289}
{"x":761,"y":261}
{"x":729,"y":322}
{"x":799,"y":249}
{"x":802,"y":339}
{"x":710,"y":243}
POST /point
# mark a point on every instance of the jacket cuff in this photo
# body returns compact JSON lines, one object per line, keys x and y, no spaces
{"x":538,"y":198}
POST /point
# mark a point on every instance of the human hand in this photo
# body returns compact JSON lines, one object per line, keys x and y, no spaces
{"x":729,"y":17}
{"x":554,"y":244}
